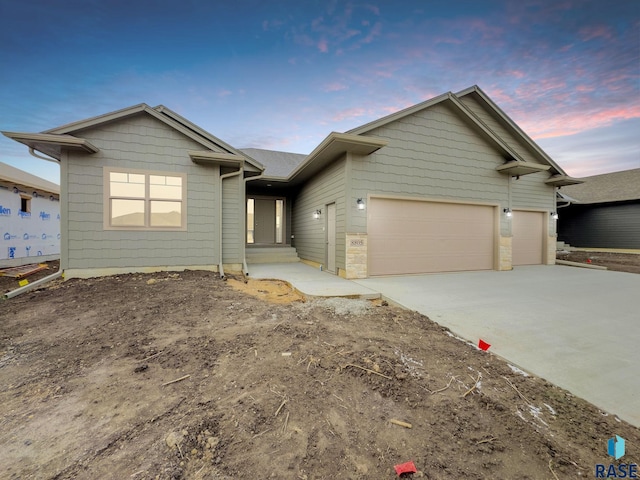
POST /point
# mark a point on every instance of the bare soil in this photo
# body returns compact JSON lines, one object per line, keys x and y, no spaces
{"x":618,"y":262}
{"x":171,"y":376}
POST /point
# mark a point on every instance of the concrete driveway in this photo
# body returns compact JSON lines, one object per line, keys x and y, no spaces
{"x":577,"y":328}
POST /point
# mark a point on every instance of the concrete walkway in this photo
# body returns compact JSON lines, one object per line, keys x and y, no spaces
{"x":577,"y":328}
{"x":311,"y":281}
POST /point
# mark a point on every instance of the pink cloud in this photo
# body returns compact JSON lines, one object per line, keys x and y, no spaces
{"x":323,"y":46}
{"x":224,"y":93}
{"x":575,"y":121}
{"x":335,"y":87}
{"x":348,"y":114}
{"x":597,"y":31}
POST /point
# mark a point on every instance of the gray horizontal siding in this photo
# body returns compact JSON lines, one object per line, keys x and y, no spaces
{"x":232,"y":221}
{"x":601,"y":226}
{"x":139,"y":142}
{"x":433,"y":153}
{"x":309,"y":235}
{"x":516,"y":144}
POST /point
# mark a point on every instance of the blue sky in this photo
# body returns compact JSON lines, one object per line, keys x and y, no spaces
{"x":283,"y":74}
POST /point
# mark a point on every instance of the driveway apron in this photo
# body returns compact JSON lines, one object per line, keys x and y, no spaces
{"x":577,"y":328}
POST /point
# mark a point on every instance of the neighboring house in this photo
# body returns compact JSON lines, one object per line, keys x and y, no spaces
{"x":603,"y":212}
{"x":29,"y":218}
{"x":428,"y":189}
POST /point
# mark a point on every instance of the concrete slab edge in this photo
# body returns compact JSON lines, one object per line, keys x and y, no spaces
{"x":581,"y":265}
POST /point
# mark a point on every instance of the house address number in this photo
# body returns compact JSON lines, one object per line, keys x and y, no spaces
{"x":358,"y":242}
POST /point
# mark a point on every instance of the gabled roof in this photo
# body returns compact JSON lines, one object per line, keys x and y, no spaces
{"x":11,"y":174}
{"x":608,"y":187}
{"x":52,"y":141}
{"x":498,"y":113}
{"x":453,"y":100}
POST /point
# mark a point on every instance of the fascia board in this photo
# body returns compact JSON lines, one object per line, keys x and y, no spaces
{"x":331,"y":147}
{"x":51,"y":144}
{"x":517,"y":168}
{"x":563,"y":181}
{"x":367,"y":127}
{"x":93,"y":121}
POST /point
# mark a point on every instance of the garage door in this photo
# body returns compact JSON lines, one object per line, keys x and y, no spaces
{"x":528,"y":239}
{"x":408,"y":236}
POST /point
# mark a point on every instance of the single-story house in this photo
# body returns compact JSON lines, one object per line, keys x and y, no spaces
{"x":29,"y":218}
{"x":603,"y":212}
{"x":450,"y":184}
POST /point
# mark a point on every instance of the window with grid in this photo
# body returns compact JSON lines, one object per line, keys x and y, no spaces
{"x":145,"y":200}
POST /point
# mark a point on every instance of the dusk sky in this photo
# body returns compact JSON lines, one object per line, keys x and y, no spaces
{"x":282,"y":75}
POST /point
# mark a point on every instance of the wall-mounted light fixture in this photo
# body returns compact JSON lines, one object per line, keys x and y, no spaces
{"x":360,"y":204}
{"x":507,"y":212}
{"x":554,"y":215}
{"x":317,"y":214}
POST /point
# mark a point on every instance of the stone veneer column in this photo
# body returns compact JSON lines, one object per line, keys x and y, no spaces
{"x":356,"y":255}
{"x":552,"y":243}
{"x":505,"y":254}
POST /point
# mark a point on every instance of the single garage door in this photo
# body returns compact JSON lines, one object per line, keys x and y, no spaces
{"x":528,"y":237}
{"x":409,"y":236}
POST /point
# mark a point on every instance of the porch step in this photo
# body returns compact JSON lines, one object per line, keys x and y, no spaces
{"x":564,"y":246}
{"x":271,"y":255}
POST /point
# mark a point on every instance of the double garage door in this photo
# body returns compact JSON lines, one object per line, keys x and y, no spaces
{"x":408,"y":236}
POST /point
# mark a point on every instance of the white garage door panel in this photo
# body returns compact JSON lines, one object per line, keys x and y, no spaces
{"x":407,"y":236}
{"x":528,"y":234}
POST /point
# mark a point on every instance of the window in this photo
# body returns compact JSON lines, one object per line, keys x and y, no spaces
{"x":145,"y":200}
{"x":25,"y":204}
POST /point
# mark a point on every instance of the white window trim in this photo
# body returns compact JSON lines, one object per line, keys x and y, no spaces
{"x":106,"y":202}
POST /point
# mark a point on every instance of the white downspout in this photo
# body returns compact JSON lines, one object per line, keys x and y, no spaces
{"x":222,"y":177}
{"x":34,"y":154}
{"x":245,"y":267}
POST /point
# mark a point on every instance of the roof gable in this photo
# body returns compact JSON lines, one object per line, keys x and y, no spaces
{"x":454,"y":100}
{"x":163,"y":114}
{"x":495,"y":111}
{"x":608,"y":187}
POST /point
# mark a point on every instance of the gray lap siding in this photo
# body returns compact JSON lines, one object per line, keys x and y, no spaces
{"x":328,"y":186}
{"x":139,"y":142}
{"x":431,"y":154}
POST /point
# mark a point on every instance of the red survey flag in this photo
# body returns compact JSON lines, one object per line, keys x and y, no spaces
{"x":482,"y":345}
{"x":408,"y":467}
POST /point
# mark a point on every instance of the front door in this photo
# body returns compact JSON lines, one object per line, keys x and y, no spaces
{"x":265,"y":220}
{"x":331,"y":238}
{"x":265,"y":226}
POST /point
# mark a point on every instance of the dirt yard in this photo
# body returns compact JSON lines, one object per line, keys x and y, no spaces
{"x":171,"y":376}
{"x":619,"y":262}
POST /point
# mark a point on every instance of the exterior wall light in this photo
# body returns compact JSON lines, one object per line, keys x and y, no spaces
{"x":507,"y":212}
{"x":554,"y":215}
{"x":317,"y":214}
{"x":360,"y":204}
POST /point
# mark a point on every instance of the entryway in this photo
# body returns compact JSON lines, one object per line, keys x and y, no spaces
{"x":265,"y":221}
